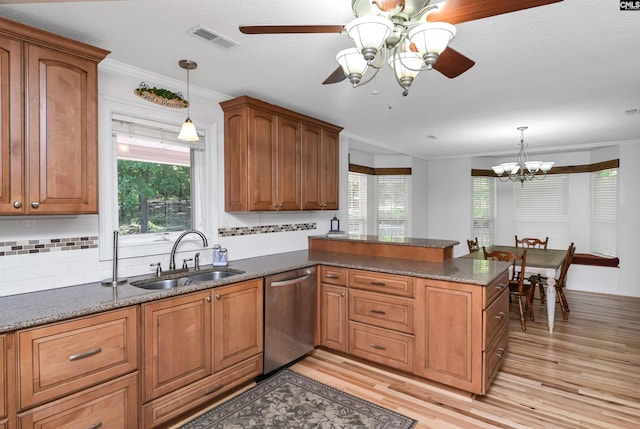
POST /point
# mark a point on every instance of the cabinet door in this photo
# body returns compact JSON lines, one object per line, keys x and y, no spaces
{"x":3,"y":377}
{"x":11,"y":137}
{"x":288,"y":164}
{"x":238,"y":323}
{"x":62,"y":133}
{"x":311,"y":167}
{"x":449,"y":332}
{"x":236,"y":175}
{"x":263,"y":171}
{"x":177,"y":343}
{"x":330,"y":170}
{"x":333,"y":317}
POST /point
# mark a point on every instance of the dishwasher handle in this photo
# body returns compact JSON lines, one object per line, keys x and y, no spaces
{"x":290,"y":281}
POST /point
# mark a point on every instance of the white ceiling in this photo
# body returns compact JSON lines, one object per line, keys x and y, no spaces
{"x":570,"y":71}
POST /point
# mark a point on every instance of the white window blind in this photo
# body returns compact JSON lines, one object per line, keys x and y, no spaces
{"x":604,"y":214}
{"x":357,"y":203}
{"x":393,"y":205}
{"x":484,"y":210}
{"x":541,"y":209}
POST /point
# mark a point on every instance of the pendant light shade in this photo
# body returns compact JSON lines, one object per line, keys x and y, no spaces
{"x":188,"y":131}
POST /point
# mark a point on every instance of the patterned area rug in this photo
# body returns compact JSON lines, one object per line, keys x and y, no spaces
{"x":288,"y":400}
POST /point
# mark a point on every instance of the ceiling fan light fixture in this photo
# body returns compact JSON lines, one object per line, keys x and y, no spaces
{"x":406,"y":66}
{"x":353,"y":64}
{"x":431,"y":39}
{"x":369,"y":34}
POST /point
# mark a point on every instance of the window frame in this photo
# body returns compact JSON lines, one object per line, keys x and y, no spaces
{"x":203,"y":163}
{"x":604,"y":216}
{"x":407,"y":203}
{"x":362,"y":178}
{"x":485,"y":236}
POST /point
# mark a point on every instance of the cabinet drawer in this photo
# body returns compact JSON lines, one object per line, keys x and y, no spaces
{"x":382,"y":310}
{"x":494,"y":356}
{"x":498,"y":285}
{"x":110,"y":405}
{"x":66,"y":357}
{"x":382,"y":346}
{"x":333,"y":275}
{"x":380,"y":282}
{"x":176,"y":403}
{"x":495,"y":317}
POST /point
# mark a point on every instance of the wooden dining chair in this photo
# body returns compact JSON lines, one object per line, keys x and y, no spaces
{"x":519,"y":286}
{"x":535,"y":243}
{"x":473,"y":245}
{"x":561,"y":282}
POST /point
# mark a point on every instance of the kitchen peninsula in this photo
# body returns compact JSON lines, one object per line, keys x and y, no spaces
{"x":444,"y":321}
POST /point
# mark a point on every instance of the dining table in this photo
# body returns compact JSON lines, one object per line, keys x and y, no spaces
{"x":547,"y":262}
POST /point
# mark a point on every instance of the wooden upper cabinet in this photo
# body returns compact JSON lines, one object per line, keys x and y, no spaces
{"x":277,"y":159}
{"x":49,"y":152}
{"x":11,"y":134}
{"x":320,"y":173}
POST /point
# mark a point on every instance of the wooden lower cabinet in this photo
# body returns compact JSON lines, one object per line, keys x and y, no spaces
{"x":198,"y":346}
{"x":453,"y":324}
{"x":62,"y":358}
{"x":111,"y":405}
{"x":3,"y":378}
{"x":383,"y":346}
{"x":333,"y":317}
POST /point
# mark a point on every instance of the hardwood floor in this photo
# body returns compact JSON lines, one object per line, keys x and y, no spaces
{"x":584,"y":375}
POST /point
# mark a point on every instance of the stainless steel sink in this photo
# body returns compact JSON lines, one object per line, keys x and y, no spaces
{"x":158,"y":284}
{"x":211,"y":275}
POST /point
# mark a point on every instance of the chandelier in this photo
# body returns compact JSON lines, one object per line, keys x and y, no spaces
{"x":407,"y":43}
{"x":522,"y":170}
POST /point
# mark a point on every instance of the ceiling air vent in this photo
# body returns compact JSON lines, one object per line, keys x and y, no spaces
{"x":210,"y":36}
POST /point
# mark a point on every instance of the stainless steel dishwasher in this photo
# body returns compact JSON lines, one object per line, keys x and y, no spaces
{"x":289,"y":317}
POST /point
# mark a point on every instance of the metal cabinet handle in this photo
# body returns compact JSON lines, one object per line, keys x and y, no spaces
{"x":218,"y":297}
{"x":17,"y":204}
{"x":376,"y":283}
{"x":332,"y":276}
{"x":95,"y":425}
{"x":501,"y":286}
{"x":35,"y":204}
{"x":500,"y":352}
{"x":343,"y":294}
{"x":85,"y":354}
{"x":378,"y":311}
{"x":215,"y":388}
{"x":500,"y":315}
{"x":208,"y":299}
{"x":377,"y":347}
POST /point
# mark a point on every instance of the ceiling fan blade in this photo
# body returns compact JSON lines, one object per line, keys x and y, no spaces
{"x":290,"y":29}
{"x":452,"y":63}
{"x":335,"y":77}
{"x":457,"y":11}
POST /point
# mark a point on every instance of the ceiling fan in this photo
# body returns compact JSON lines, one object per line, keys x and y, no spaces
{"x":409,"y":23}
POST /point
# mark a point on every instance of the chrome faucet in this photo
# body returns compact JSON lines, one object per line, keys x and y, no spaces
{"x":172,"y":258}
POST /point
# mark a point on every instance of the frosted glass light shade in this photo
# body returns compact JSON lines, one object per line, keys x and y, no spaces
{"x":353,"y":64}
{"x":188,"y":132}
{"x":406,"y":64}
{"x":432,"y":37}
{"x":546,"y":166}
{"x":369,"y":32}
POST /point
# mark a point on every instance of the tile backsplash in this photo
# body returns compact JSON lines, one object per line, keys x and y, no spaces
{"x":23,"y":247}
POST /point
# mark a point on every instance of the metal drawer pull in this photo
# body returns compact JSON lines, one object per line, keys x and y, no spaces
{"x":95,"y":425}
{"x":342,"y":295}
{"x":500,"y":315}
{"x":500,"y":352}
{"x":378,"y":311}
{"x":501,"y":286}
{"x":85,"y":355}
{"x":332,"y":276}
{"x":377,"y":347}
{"x":378,"y":283}
{"x":215,"y":388}
{"x":218,"y":297}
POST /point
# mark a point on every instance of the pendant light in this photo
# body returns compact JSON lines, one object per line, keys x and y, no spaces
{"x":188,"y":131}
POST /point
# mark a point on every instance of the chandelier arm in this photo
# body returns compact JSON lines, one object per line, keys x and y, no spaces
{"x":369,"y":79}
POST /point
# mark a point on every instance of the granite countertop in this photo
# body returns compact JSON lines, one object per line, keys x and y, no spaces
{"x":401,"y":241}
{"x":37,"y":308}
